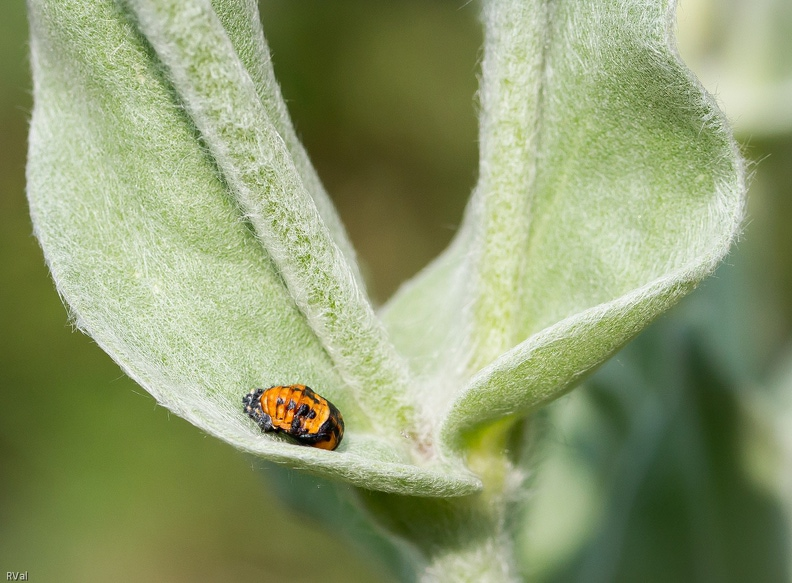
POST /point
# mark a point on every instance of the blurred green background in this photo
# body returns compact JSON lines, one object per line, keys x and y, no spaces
{"x":669,"y":465}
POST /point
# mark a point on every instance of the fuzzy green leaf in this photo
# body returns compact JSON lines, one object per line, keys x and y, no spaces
{"x":224,"y":104}
{"x":145,"y":238}
{"x":609,"y":187}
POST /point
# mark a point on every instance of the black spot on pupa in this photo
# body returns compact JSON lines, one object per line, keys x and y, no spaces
{"x":296,"y":426}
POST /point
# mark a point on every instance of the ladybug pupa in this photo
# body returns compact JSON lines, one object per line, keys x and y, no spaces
{"x":297,"y":411}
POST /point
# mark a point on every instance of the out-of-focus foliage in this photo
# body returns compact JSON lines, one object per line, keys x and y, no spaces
{"x":671,"y":471}
{"x":742,"y":51}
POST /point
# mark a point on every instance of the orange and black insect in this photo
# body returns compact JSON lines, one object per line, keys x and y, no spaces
{"x":297,"y":411}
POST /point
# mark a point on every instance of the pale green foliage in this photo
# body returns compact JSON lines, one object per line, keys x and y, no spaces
{"x":188,"y":233}
{"x":772,"y":412}
{"x":619,"y":191}
{"x":152,"y":254}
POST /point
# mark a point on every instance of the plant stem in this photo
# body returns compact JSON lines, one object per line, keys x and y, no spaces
{"x":468,"y":538}
{"x":455,"y":540}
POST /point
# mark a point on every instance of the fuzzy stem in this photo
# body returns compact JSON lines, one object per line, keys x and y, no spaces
{"x":470,"y":538}
{"x":458,"y":539}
